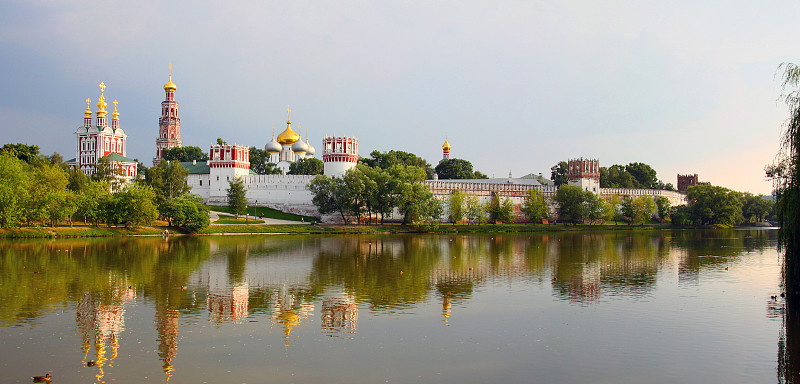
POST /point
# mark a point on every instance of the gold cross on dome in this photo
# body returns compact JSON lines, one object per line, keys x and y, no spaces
{"x":170,"y":70}
{"x":102,"y":87}
{"x":289,"y":112}
{"x":115,"y":105}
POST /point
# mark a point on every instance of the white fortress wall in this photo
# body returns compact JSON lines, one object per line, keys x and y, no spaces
{"x":675,"y":198}
{"x":285,"y":193}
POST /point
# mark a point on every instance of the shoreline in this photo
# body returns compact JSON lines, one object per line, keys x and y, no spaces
{"x":286,"y":229}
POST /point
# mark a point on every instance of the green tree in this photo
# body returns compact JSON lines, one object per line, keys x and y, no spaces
{"x":476,"y":210}
{"x":108,"y":172}
{"x":617,"y":176}
{"x":644,"y":174}
{"x":24,"y":152}
{"x":13,"y":189}
{"x":328,"y":195}
{"x":454,"y":169}
{"x":755,"y":208}
{"x":237,"y":197}
{"x":221,"y":142}
{"x":663,"y":206}
{"x":714,"y":205}
{"x":785,"y":173}
{"x":572,"y":203}
{"x":386,"y":160}
{"x":132,"y":205}
{"x":259,"y":162}
{"x":500,"y":210}
{"x":642,"y":209}
{"x":186,"y":211}
{"x":168,"y":180}
{"x":90,"y":201}
{"x":479,"y":175}
{"x":306,"y":166}
{"x":558,"y":173}
{"x":187,"y":153}
{"x":596,"y":208}
{"x":535,"y":206}
{"x":455,"y":207}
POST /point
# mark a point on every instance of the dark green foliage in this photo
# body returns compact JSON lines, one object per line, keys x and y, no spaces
{"x":756,"y":208}
{"x":24,"y":152}
{"x":662,"y":203}
{"x":187,"y":211}
{"x":132,"y":205}
{"x":785,"y":173}
{"x":237,"y":199}
{"x":307,"y":166}
{"x":500,"y":210}
{"x":714,"y":205}
{"x":644,"y":174}
{"x":187,"y":153}
{"x":168,"y":180}
{"x":558,"y":173}
{"x":259,"y":162}
{"x":386,"y":160}
{"x":572,"y":205}
{"x":454,"y":169}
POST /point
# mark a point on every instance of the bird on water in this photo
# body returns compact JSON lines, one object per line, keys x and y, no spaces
{"x":42,"y":379}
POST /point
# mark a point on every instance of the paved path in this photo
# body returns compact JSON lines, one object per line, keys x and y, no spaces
{"x":267,"y":221}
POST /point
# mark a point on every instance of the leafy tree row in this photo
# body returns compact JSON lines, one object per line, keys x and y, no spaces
{"x":710,"y":204}
{"x":365,"y":191}
{"x":633,"y":175}
{"x":41,"y":193}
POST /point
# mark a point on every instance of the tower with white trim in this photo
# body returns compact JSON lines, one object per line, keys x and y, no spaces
{"x":339,"y":154}
{"x":169,"y":124}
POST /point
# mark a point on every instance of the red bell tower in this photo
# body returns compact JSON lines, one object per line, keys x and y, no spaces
{"x":169,"y":124}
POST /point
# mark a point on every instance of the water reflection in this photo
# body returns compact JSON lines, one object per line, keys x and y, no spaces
{"x":287,"y":281}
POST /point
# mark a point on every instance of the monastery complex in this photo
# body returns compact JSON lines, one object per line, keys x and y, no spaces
{"x":97,"y":142}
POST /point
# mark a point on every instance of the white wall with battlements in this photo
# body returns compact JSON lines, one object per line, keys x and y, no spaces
{"x":675,"y":198}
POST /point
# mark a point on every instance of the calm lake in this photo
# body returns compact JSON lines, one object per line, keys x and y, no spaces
{"x":602,"y":307}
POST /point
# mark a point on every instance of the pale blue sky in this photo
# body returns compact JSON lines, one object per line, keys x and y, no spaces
{"x":685,"y":86}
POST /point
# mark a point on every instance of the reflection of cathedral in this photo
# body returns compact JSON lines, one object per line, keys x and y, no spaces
{"x":101,"y":325}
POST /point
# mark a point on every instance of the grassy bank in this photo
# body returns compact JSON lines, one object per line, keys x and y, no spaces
{"x":267,"y":212}
{"x":89,"y":231}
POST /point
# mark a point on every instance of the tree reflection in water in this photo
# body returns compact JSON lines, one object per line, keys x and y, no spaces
{"x":234,"y":280}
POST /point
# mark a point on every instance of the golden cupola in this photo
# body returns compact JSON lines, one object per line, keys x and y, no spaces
{"x":170,"y":86}
{"x":446,"y":145}
{"x":101,"y":102}
{"x":88,"y":111}
{"x":288,"y":136}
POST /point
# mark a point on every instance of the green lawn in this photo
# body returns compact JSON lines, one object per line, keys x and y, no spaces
{"x":267,"y":212}
{"x":226,"y":219}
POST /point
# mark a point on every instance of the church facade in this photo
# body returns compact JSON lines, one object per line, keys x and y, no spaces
{"x":97,"y":142}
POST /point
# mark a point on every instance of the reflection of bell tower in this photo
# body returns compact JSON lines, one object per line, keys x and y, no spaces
{"x":340,"y":314}
{"x":167,"y":326}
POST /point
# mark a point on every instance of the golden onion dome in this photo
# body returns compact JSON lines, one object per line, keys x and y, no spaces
{"x":446,"y":145}
{"x":170,"y":86}
{"x":288,"y":136}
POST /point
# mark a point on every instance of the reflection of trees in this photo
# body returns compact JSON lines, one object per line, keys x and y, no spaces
{"x":617,"y":263}
{"x":64,"y":270}
{"x":708,"y":249}
{"x":789,"y":344}
{"x":387,"y":273}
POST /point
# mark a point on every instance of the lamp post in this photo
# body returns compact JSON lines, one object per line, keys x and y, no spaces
{"x":256,"y":208}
